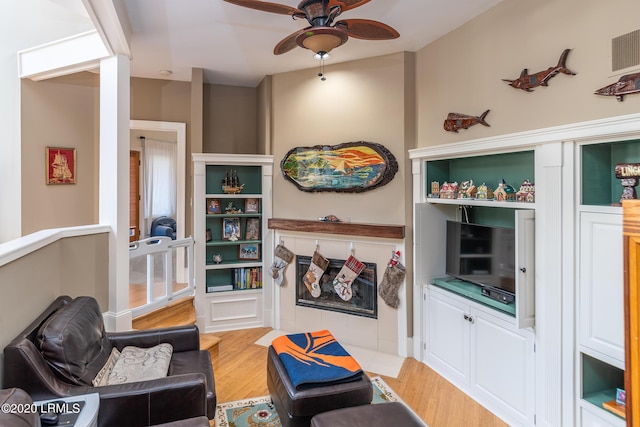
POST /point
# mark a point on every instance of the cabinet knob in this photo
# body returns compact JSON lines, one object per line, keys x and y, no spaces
{"x":468,"y":318}
{"x":523,"y":269}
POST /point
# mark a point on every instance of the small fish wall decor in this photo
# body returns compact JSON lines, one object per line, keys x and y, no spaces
{"x":528,"y":81}
{"x":626,"y":85}
{"x":456,"y":121}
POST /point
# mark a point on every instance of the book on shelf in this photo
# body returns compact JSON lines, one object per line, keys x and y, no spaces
{"x":219,"y":288}
{"x":247,"y":278}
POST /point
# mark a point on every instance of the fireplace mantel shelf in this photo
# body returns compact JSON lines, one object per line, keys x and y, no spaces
{"x":345,"y":228}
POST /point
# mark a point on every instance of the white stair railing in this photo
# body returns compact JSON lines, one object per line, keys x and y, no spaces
{"x":165,"y":249}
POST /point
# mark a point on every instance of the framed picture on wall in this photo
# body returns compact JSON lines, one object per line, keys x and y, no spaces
{"x":60,"y":165}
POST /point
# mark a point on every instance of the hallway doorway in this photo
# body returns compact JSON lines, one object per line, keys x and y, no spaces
{"x":164,"y":132}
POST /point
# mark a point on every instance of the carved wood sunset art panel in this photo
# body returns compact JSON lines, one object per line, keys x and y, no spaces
{"x":350,"y":167}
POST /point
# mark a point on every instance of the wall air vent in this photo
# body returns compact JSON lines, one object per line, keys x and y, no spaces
{"x":625,"y":51}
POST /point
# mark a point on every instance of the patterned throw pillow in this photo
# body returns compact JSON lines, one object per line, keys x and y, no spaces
{"x":139,"y":364}
{"x":103,"y":375}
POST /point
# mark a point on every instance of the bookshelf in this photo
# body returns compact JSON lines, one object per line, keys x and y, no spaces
{"x":233,"y":244}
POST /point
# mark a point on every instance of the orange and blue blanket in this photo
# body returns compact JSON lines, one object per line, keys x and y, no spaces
{"x":315,"y":358}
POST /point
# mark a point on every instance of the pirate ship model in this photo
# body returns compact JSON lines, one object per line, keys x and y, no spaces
{"x":231,"y":184}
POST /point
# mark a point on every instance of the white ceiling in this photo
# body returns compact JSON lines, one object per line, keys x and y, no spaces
{"x":234,"y":45}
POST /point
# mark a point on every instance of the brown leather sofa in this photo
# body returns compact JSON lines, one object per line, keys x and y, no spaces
{"x":66,"y":367}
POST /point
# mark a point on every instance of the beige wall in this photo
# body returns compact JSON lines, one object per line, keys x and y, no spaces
{"x":230,"y":119}
{"x":462,"y":71}
{"x":360,"y":101}
{"x":161,"y":100}
{"x":58,"y":114}
{"x":264,"y":113}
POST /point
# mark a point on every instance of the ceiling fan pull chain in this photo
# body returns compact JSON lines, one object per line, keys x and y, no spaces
{"x":321,"y":73}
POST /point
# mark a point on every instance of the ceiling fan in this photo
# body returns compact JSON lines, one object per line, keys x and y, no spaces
{"x":324,"y":33}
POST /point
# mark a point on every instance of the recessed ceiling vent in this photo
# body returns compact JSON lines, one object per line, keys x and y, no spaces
{"x":625,"y":51}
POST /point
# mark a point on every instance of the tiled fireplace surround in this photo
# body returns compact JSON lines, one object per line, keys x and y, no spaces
{"x":381,"y":334}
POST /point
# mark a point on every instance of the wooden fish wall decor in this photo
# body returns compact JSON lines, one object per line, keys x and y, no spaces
{"x":456,"y":121}
{"x":626,"y":85}
{"x":528,"y":81}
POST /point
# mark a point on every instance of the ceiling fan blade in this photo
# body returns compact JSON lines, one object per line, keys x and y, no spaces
{"x":267,"y":7}
{"x":288,"y":43}
{"x":368,"y":29}
{"x":348,"y":4}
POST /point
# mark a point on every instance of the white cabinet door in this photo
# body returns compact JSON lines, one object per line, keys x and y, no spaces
{"x":503,"y":364}
{"x":600,"y":284}
{"x":484,"y":354}
{"x":447,"y":336}
{"x":525,"y":268}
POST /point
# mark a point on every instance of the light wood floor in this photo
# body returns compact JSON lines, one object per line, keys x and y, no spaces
{"x":138,"y":292}
{"x":240,"y":372}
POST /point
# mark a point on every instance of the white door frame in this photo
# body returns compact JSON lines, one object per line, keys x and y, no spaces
{"x":180,"y":132}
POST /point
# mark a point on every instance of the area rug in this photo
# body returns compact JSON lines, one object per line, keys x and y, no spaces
{"x":260,"y":412}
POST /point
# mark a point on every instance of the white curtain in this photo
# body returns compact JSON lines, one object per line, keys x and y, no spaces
{"x":160,"y":180}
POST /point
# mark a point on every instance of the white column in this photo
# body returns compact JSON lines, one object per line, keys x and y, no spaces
{"x":549,"y":269}
{"x":114,"y":183}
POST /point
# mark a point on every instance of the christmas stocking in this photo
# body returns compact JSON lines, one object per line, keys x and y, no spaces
{"x":316,"y":269}
{"x":391,"y":281}
{"x":348,"y":273}
{"x":281,"y":258}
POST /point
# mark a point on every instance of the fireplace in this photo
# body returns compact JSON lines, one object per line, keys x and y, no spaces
{"x":365,"y":289}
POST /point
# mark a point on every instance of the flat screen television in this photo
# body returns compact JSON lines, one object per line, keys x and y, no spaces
{"x":484,"y":255}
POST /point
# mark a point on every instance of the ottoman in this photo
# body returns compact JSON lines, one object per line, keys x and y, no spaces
{"x":297,"y":407}
{"x":378,"y":415}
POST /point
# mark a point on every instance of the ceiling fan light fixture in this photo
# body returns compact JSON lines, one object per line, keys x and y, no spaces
{"x":321,"y":43}
{"x":323,"y":39}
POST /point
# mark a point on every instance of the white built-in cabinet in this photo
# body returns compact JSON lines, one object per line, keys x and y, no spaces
{"x":462,"y":339}
{"x":600,"y":354}
{"x":233,"y":245}
{"x":483,"y":346}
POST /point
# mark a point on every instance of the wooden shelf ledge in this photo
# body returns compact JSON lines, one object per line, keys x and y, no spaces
{"x":346,"y":228}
